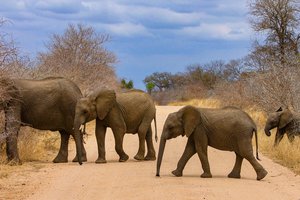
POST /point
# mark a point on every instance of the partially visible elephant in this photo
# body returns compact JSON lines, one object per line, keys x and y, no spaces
{"x":286,"y":121}
{"x":228,"y":129}
{"x":128,"y":112}
{"x":47,"y":104}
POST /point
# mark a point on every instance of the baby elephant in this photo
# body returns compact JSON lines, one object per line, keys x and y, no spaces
{"x":229,"y":129}
{"x":286,"y":121}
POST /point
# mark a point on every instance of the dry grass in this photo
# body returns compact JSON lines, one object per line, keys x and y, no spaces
{"x":286,"y":153}
{"x":207,"y":103}
{"x":33,"y":145}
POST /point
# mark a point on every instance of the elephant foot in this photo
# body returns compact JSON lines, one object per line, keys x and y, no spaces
{"x":14,"y":162}
{"x":261,"y":174}
{"x":123,"y":158}
{"x":59,"y":159}
{"x":177,"y":173}
{"x":206,"y":175}
{"x":150,"y":156}
{"x":234,"y":175}
{"x":138,"y":157}
{"x":100,"y":161}
{"x":83,"y":159}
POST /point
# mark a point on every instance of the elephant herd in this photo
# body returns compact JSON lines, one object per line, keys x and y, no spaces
{"x":57,"y":104}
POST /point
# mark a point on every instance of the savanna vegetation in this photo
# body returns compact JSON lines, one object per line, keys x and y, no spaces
{"x":267,"y":78}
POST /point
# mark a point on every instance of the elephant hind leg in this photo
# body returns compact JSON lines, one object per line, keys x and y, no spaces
{"x":151,"y":151}
{"x":246,"y":151}
{"x":142,"y":136}
{"x":236,"y":171}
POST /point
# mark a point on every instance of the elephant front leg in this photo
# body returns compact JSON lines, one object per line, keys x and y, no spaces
{"x":189,"y":151}
{"x":278,"y":137}
{"x":100,"y":136}
{"x":201,"y":143}
{"x":236,"y":171}
{"x":62,"y":156}
{"x":83,"y":157}
{"x":119,"y":136}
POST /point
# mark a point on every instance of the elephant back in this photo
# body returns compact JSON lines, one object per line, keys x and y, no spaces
{"x":137,"y":107}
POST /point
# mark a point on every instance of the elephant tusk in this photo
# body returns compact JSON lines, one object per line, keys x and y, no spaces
{"x":81,"y":128}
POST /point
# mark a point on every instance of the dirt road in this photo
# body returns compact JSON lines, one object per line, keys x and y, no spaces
{"x":136,"y":180}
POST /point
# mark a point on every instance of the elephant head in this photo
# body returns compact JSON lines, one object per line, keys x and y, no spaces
{"x":178,"y":123}
{"x":280,"y":119}
{"x":96,"y":105}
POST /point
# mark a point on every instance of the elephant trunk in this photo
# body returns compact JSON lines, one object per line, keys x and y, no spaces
{"x":267,"y":130}
{"x":162,"y":145}
{"x":78,"y":141}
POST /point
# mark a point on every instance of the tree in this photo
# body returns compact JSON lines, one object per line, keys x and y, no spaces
{"x":150,"y":86}
{"x":277,"y":60}
{"x":8,"y":50}
{"x":279,"y":19}
{"x":161,"y":80}
{"x":80,"y":55}
{"x":126,"y":85}
{"x":233,"y":69}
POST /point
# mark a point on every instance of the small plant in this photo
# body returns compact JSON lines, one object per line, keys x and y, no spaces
{"x":126,"y":85}
{"x":150,"y":86}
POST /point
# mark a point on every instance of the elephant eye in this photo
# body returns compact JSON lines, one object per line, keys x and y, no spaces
{"x":84,"y":111}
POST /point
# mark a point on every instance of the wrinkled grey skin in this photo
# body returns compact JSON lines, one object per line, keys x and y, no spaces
{"x":228,"y":129}
{"x":47,"y":104}
{"x":286,"y":121}
{"x":128,"y":112}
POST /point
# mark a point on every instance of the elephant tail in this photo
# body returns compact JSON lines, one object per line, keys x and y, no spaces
{"x":156,"y":138}
{"x":256,"y":142}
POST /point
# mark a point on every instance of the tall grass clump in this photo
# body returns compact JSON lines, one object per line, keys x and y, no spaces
{"x":34,"y":145}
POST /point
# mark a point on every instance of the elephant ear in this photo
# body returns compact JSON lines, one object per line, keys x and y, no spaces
{"x":104,"y":101}
{"x":285,"y":118}
{"x":190,"y":119}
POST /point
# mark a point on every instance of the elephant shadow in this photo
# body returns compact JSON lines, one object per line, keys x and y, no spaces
{"x":219,"y":177}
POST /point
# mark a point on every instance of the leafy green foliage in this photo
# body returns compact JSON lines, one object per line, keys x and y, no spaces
{"x":126,"y":85}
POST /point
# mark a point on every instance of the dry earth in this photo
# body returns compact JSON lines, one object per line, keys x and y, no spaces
{"x":136,"y":180}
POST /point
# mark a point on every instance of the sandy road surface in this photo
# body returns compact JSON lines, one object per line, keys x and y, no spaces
{"x":136,"y":180}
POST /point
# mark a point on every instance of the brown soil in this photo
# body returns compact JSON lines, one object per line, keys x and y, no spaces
{"x":136,"y":180}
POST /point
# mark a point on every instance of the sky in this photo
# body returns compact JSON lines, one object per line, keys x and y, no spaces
{"x":147,"y":35}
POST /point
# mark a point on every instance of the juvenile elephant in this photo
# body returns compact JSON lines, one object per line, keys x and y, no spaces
{"x":47,"y":104}
{"x":228,"y":129}
{"x":128,"y":112}
{"x":286,"y":121}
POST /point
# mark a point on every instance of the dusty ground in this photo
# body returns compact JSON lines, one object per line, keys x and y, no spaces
{"x":136,"y":180}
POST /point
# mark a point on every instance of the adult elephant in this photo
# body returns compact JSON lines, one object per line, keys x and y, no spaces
{"x":47,"y":104}
{"x":286,"y":121}
{"x":127,"y":112}
{"x":228,"y":129}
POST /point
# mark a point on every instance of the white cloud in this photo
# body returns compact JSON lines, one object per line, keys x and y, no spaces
{"x":227,"y":31}
{"x":126,"y":29}
{"x":141,"y":12}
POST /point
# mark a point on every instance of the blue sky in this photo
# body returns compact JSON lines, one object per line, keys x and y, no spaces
{"x":147,"y":35}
